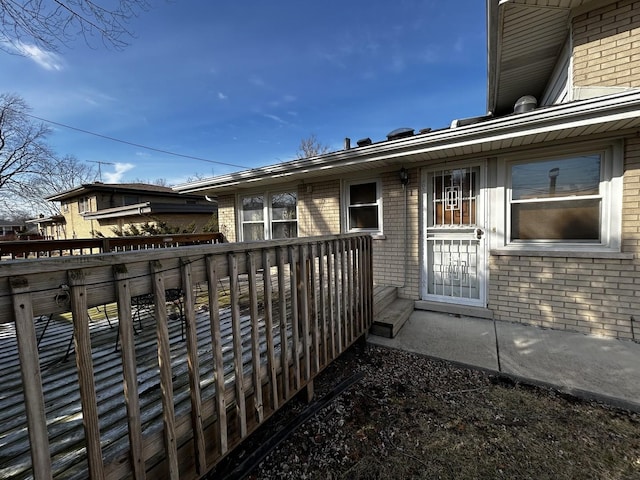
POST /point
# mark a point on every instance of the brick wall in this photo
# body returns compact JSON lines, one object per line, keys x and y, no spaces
{"x":590,"y":295}
{"x":390,"y":252}
{"x":606,"y":46}
{"x":227,"y":217}
{"x":76,"y":225}
{"x":319,"y":209}
{"x":319,"y":213}
{"x":631,"y":200}
{"x":579,"y":294}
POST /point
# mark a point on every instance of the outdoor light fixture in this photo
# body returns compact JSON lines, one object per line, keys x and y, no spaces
{"x":404,"y":176}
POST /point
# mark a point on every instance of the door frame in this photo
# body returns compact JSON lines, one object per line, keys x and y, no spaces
{"x":482,"y":212}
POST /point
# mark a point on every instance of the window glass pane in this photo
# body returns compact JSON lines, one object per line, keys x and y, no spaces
{"x":577,"y":220}
{"x":130,"y":200}
{"x":83,"y":204}
{"x":363,"y":217}
{"x":283,"y":206}
{"x":363,"y":193}
{"x":556,"y":178}
{"x":252,"y":208}
{"x":284,"y":230}
{"x":252,"y":232}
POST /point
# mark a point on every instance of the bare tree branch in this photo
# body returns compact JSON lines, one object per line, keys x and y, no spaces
{"x":29,"y":171}
{"x":49,"y":24}
{"x":21,"y":140}
{"x":311,"y":147}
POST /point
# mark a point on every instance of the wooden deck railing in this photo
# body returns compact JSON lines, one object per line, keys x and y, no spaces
{"x":293,"y":306}
{"x":88,"y":246}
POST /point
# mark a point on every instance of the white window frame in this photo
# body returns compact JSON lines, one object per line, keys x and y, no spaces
{"x":347,"y":203}
{"x":84,"y":204}
{"x":267,"y":217}
{"x":610,"y":191}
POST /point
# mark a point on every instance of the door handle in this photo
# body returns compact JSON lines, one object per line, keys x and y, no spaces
{"x":478,"y":233}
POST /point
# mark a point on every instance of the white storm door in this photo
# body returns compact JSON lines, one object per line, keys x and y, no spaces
{"x":454,"y":260}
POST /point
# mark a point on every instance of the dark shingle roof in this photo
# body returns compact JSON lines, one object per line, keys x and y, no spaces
{"x":118,"y":188}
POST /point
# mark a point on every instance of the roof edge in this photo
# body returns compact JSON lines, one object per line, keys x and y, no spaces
{"x":559,"y":116}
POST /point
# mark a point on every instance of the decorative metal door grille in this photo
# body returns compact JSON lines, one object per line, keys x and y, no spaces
{"x":452,"y":235}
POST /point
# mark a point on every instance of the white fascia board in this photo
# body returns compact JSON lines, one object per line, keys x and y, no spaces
{"x":129,"y":210}
{"x":602,"y":110}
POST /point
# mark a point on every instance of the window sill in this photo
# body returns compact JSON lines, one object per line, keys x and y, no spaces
{"x":560,"y":253}
{"x":378,"y":236}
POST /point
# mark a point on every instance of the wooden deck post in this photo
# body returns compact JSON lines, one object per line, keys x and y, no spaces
{"x":237,"y":344}
{"x":216,"y":340}
{"x":322,"y":320}
{"x":164,"y":363}
{"x":268,"y":323}
{"x":315,"y":314}
{"x":294,"y":271}
{"x":303,"y":293}
{"x":129,"y":371}
{"x":339,"y":295}
{"x":255,"y":338}
{"x":84,"y":364}
{"x":282,"y":309}
{"x":31,"y":378}
{"x":331,"y":297}
{"x":193,"y":365}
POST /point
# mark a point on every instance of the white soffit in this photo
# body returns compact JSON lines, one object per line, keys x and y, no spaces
{"x":526,"y":39}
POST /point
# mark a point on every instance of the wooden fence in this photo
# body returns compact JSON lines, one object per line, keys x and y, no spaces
{"x":306,"y":301}
{"x":87,"y":246}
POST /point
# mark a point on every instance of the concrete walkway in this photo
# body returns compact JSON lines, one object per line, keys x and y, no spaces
{"x":587,"y":366}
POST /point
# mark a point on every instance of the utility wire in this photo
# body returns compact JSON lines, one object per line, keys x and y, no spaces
{"x":113,"y":139}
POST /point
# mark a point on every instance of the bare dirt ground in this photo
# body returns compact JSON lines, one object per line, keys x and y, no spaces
{"x":409,"y":417}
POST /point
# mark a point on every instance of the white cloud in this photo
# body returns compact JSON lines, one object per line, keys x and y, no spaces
{"x":284,"y":99}
{"x":398,"y":64}
{"x":458,"y":47}
{"x":275,"y":118}
{"x":257,"y":81}
{"x":120,"y":170}
{"x":95,"y":98}
{"x":47,"y":60}
{"x":222,"y":96}
{"x":430,"y":55}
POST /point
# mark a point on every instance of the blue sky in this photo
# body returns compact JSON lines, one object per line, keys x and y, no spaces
{"x":243,"y":83}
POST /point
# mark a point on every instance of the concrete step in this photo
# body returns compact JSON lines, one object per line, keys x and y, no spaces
{"x":389,"y":322}
{"x":383,"y":296}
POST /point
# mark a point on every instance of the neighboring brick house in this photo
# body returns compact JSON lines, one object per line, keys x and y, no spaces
{"x":102,"y":209}
{"x":530,"y":213}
